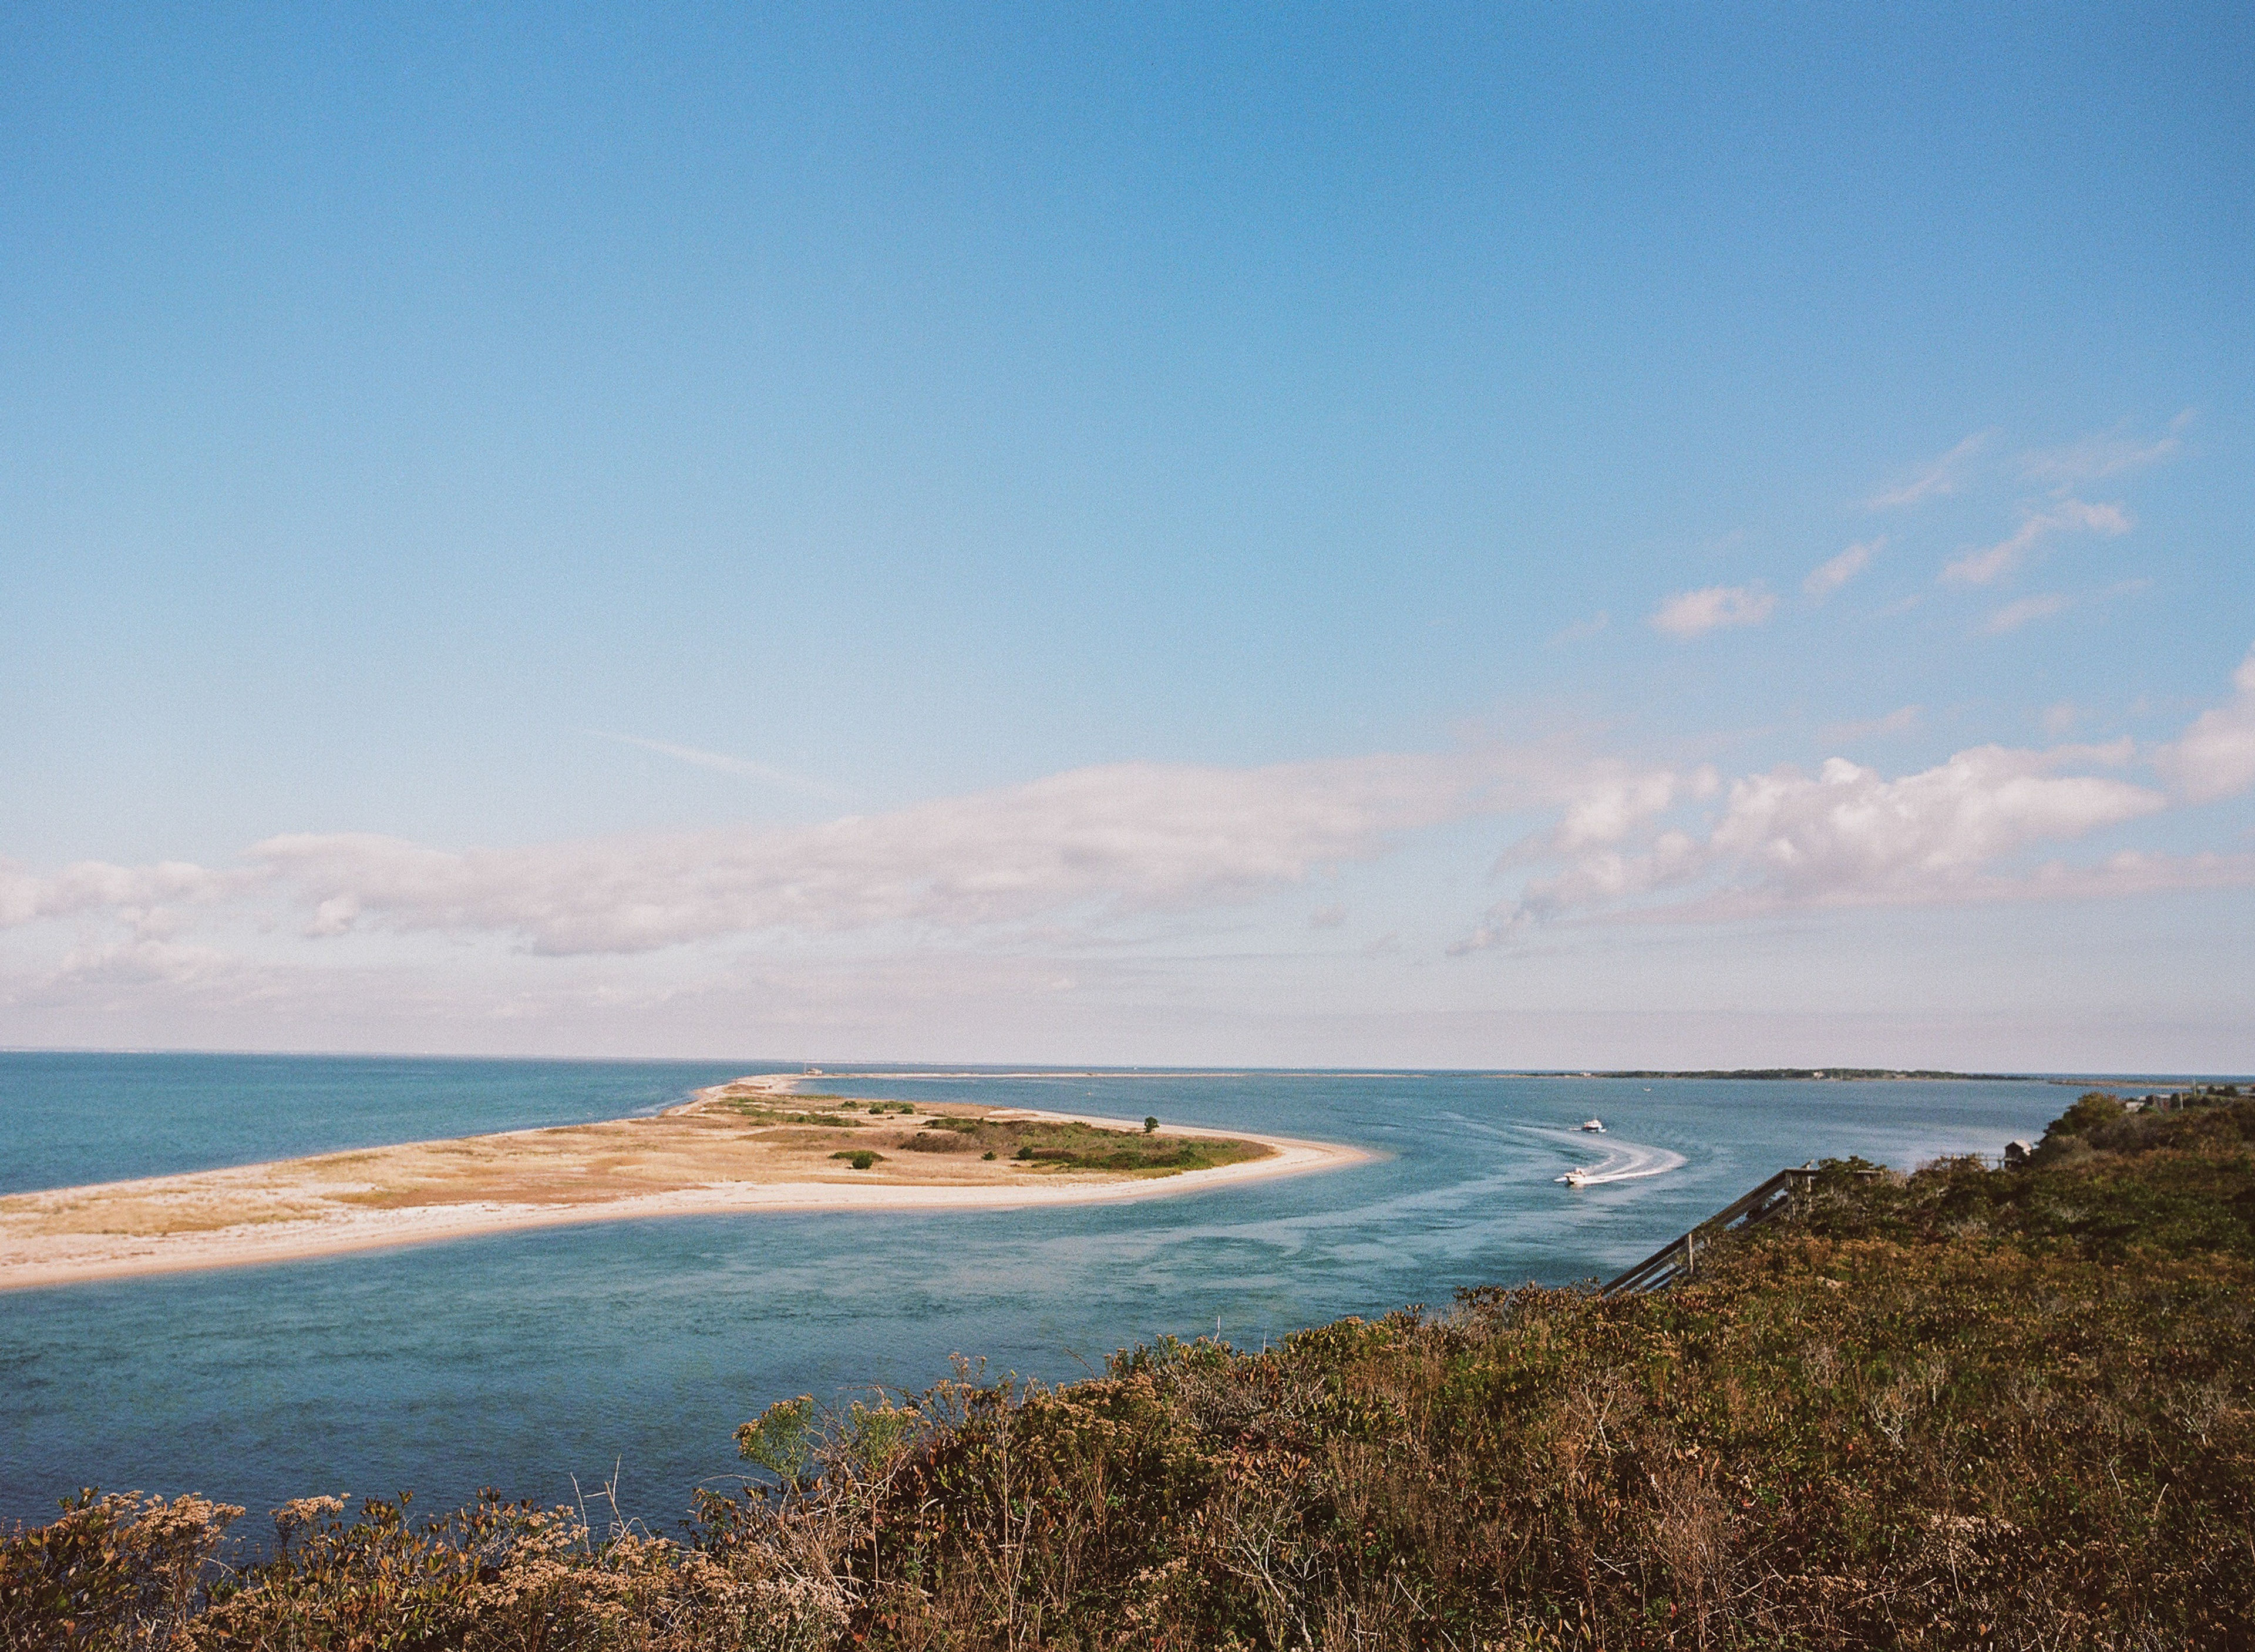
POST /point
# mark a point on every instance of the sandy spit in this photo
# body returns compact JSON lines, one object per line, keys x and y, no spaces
{"x":297,"y":1225}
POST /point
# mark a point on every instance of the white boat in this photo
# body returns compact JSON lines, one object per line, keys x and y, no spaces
{"x":1595,"y":1127}
{"x":1576,"y":1177}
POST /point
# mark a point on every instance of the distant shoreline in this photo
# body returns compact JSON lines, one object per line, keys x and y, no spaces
{"x":297,"y":1209}
{"x":1830,"y":1075}
{"x":1873,"y":1075}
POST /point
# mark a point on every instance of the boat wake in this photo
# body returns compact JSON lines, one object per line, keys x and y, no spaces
{"x":1615,"y":1161}
{"x":1618,"y":1161}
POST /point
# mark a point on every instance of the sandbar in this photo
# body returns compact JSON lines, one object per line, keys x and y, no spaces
{"x":752,"y":1145}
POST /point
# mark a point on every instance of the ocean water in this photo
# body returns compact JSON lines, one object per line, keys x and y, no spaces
{"x":628,"y":1350}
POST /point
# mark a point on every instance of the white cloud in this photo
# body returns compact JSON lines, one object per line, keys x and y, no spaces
{"x":1063,"y":860}
{"x":1945,"y":476}
{"x":1609,"y":804}
{"x":2215,"y":757}
{"x":1106,"y":842}
{"x":1088,"y":844}
{"x":2069,"y":515}
{"x":1690,"y":613}
{"x":142,"y":962}
{"x":138,"y":893}
{"x":1828,"y":577}
{"x":1849,"y":836}
{"x":1849,"y":830}
{"x":1327,"y":917}
{"x":1960,"y":832}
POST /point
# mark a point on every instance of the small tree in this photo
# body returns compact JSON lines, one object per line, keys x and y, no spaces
{"x":1150,"y":1125}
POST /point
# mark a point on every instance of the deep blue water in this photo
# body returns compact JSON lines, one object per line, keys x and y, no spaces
{"x":522,"y":1360}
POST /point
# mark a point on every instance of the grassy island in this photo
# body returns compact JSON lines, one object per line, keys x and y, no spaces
{"x":1973,"y":1407}
{"x":1023,"y":1140}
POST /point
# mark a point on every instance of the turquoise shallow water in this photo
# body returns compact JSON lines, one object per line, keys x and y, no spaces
{"x":522,"y":1360}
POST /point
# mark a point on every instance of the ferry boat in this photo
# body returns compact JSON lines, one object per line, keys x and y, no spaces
{"x":1595,"y":1127}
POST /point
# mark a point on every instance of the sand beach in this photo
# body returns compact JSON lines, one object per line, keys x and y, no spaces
{"x":752,"y":1145}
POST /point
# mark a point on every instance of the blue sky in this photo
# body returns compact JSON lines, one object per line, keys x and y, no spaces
{"x":1292,"y":536}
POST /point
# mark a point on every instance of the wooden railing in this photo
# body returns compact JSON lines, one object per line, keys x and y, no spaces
{"x":1679,"y":1258}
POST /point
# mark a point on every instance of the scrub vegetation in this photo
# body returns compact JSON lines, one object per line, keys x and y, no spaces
{"x":1975,"y":1408}
{"x":1039,"y":1144}
{"x":1068,"y":1145}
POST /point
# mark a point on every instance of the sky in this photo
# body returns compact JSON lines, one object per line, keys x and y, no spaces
{"x":1288,"y":535}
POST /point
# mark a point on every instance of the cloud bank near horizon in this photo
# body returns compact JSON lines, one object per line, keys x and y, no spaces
{"x":1090,"y":850}
{"x":1101,"y":843}
{"x":1848,"y":836}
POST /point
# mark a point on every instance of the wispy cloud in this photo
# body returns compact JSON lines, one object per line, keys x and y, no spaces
{"x":1829,"y":576}
{"x":2096,"y":457}
{"x":1106,"y":842}
{"x":2013,"y":616}
{"x":2069,"y":515}
{"x":1084,"y":848}
{"x":1107,"y":849}
{"x":1690,"y":613}
{"x":767,"y":774}
{"x":1944,"y":476}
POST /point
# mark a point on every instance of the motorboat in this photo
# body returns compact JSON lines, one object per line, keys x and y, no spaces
{"x":1576,"y":1177}
{"x":1595,"y":1127}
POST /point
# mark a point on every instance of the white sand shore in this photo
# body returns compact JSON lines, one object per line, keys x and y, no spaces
{"x":72,"y":1235}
